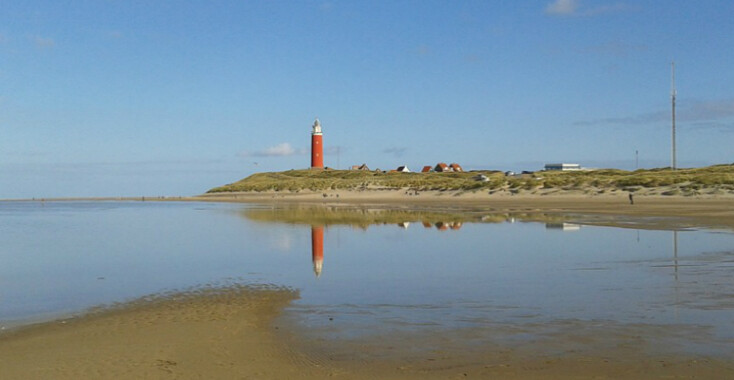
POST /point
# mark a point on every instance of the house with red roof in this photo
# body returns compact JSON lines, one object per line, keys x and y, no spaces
{"x":441,"y":167}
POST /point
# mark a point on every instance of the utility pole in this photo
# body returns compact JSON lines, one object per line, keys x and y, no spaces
{"x":672,"y":98}
{"x":637,"y":159}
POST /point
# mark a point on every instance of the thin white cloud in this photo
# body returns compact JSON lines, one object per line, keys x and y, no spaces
{"x":472,"y":58}
{"x":42,"y":158}
{"x":610,"y":8}
{"x":284,"y":149}
{"x":709,"y":110}
{"x":281,"y":150}
{"x":395,"y":151}
{"x":715,"y":125}
{"x":615,"y":48}
{"x":643,"y":118}
{"x":334,"y":150}
{"x":44,"y":42}
{"x":422,"y":50}
{"x":712,"y":113}
{"x":562,"y":7}
{"x":576,"y":8}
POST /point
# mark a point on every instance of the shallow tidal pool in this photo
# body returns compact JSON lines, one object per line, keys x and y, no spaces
{"x":470,"y":278}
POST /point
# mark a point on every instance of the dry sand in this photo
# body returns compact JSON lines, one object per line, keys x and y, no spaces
{"x":237,"y":333}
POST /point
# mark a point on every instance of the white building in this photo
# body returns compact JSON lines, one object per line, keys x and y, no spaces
{"x":563,"y":167}
{"x":563,"y":226}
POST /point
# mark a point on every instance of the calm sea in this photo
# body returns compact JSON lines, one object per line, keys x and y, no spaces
{"x":368,"y":272}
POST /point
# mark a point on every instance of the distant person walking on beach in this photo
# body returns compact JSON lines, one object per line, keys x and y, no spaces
{"x":632,"y":200}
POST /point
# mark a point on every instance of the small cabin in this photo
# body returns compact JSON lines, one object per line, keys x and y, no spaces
{"x":403,"y":169}
{"x":360,"y":167}
{"x":427,"y":169}
{"x":441,"y":167}
{"x":456,"y":167}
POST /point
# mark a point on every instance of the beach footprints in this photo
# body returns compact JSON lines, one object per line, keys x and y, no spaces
{"x":166,"y":365}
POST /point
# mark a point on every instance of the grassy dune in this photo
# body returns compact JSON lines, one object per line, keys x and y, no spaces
{"x":315,"y":180}
{"x":718,"y":178}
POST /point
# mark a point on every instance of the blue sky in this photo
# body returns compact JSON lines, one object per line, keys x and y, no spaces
{"x":127,"y":98}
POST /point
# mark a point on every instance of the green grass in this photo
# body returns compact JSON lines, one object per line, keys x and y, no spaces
{"x":718,"y":176}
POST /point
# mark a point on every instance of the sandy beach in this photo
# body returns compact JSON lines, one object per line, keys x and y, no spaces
{"x":220,"y":334}
{"x":239,"y":332}
{"x":702,"y":211}
{"x":235,"y":334}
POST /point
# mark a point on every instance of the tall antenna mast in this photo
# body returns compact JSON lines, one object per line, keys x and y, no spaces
{"x":672,"y":98}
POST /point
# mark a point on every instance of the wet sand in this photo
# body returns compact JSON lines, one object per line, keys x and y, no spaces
{"x":222,"y":334}
{"x":236,"y":334}
{"x":241,"y":332}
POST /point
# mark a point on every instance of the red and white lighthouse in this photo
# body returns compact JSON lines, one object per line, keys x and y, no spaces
{"x":317,"y":146}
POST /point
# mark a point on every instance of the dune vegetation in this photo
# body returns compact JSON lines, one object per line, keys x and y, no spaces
{"x":717,"y":178}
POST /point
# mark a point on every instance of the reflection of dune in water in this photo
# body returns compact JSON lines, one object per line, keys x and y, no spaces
{"x":363,"y":217}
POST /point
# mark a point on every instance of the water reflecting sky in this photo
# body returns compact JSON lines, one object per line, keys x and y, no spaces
{"x":369,"y":270}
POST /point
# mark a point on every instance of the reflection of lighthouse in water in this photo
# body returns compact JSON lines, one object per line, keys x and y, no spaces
{"x":317,"y":240}
{"x":317,"y":249}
